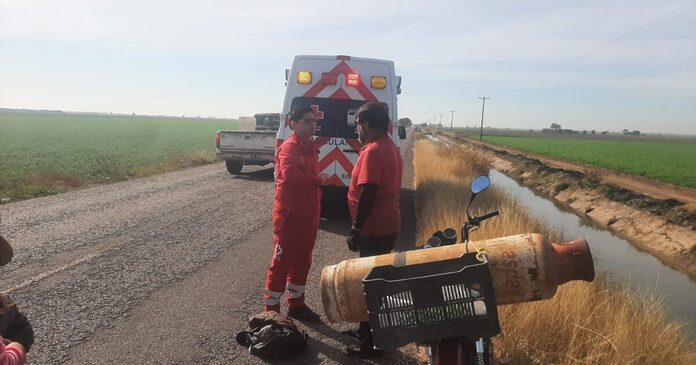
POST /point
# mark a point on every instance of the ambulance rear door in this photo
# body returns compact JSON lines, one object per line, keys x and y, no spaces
{"x":335,"y":138}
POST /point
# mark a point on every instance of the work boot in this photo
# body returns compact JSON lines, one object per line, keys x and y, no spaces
{"x":303,"y":313}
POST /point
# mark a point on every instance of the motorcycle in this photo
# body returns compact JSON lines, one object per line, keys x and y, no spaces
{"x":463,"y":350}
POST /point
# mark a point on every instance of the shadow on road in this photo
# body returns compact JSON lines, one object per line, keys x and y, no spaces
{"x":265,"y":174}
{"x":316,"y":346}
{"x":407,"y":235}
{"x":337,"y":221}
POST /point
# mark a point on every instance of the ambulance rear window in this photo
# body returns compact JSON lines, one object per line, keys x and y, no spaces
{"x":335,"y":117}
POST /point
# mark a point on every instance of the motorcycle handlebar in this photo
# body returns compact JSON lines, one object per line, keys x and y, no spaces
{"x":478,"y":220}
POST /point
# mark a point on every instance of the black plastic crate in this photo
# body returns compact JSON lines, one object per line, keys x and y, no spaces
{"x":430,"y":301}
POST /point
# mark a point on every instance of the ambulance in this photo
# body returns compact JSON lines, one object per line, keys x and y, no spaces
{"x":334,"y":87}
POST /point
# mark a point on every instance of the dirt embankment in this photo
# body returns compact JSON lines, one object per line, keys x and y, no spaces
{"x":662,"y":224}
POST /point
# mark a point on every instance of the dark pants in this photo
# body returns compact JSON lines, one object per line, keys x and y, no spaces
{"x":372,"y":246}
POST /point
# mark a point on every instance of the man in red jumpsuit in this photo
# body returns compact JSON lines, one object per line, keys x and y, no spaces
{"x":373,"y":199}
{"x":295,"y":217}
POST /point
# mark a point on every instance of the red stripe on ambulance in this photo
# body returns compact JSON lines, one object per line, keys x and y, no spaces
{"x":341,"y":69}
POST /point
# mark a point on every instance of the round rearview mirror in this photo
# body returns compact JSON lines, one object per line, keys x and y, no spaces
{"x":480,"y":184}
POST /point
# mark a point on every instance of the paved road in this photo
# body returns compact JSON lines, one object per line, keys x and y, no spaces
{"x":161,"y":270}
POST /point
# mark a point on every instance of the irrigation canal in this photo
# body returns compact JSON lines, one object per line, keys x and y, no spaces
{"x":617,"y":258}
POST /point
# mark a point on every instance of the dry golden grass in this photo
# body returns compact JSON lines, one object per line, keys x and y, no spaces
{"x":585,"y":323}
{"x":442,"y":182}
{"x":592,"y":323}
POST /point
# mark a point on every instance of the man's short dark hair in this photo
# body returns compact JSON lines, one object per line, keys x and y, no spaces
{"x":298,"y":112}
{"x":375,"y":114}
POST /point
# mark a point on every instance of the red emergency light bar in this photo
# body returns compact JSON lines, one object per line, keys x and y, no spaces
{"x":353,"y":80}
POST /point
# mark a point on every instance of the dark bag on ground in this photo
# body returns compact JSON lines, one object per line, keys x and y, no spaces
{"x":273,"y":337}
{"x":14,"y":325}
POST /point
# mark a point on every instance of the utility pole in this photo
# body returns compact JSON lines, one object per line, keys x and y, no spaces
{"x":483,"y":107}
{"x":451,"y":120}
{"x":440,"y":120}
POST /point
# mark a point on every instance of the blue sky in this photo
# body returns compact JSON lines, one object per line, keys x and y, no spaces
{"x":585,"y":64}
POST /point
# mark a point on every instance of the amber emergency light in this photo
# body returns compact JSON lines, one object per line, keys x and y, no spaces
{"x":304,"y":77}
{"x":378,"y":82}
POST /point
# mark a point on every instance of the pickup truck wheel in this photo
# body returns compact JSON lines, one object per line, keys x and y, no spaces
{"x":234,"y":167}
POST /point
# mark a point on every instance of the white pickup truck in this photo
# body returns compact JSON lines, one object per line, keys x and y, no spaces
{"x":255,"y":146}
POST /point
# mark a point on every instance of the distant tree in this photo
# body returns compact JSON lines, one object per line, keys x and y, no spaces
{"x":584,"y":132}
{"x":593,"y":131}
{"x":624,"y":131}
{"x":405,"y":122}
{"x":555,"y":127}
{"x":635,"y":133}
{"x":605,"y":132}
{"x":531,"y":131}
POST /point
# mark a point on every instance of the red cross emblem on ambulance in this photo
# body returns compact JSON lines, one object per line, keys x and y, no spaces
{"x":317,"y":113}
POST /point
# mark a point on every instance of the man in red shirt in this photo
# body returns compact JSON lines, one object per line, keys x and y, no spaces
{"x":373,"y":198}
{"x":295,"y":217}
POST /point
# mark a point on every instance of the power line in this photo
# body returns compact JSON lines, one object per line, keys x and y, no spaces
{"x":634,"y":31}
{"x":654,"y":22}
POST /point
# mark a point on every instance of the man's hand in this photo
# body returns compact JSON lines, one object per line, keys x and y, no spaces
{"x":352,"y":240}
{"x":324,"y":177}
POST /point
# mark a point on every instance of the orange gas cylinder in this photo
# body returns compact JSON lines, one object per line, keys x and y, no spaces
{"x":523,"y":268}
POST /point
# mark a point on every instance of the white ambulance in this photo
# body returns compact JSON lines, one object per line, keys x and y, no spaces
{"x":335,"y":87}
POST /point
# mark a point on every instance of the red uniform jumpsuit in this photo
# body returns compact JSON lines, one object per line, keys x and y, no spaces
{"x":295,"y":221}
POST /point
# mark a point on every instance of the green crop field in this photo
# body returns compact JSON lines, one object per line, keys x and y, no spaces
{"x":669,"y":162}
{"x":97,"y":147}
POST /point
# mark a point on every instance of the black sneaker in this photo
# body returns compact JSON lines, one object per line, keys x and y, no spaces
{"x":303,"y":314}
{"x":354,"y":333}
{"x":366,"y":350}
{"x":364,"y":353}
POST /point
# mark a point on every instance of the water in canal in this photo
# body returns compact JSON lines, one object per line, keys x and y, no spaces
{"x":612,"y":255}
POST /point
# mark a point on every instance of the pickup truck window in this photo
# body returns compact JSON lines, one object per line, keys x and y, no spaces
{"x":267,"y":121}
